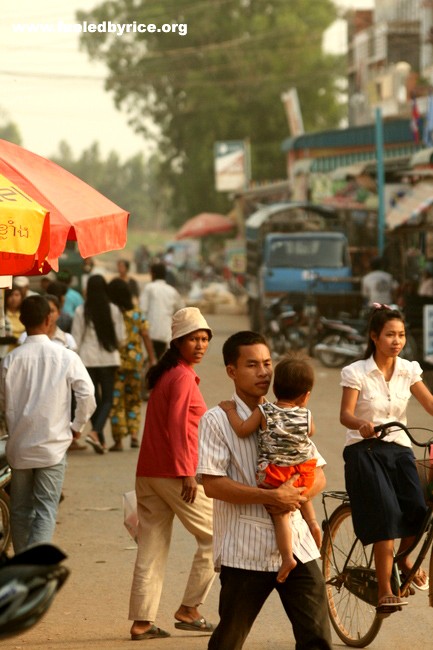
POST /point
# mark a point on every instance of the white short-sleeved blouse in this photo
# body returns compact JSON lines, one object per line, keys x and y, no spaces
{"x":380,"y":401}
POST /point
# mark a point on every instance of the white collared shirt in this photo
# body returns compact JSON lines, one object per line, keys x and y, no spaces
{"x":243,"y":535}
{"x":380,"y":401}
{"x":35,"y":392}
{"x":158,"y":302}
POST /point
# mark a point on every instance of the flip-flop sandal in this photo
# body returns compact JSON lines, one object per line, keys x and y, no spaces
{"x":199,"y":625}
{"x":418,"y":575}
{"x":152,"y":633}
{"x":97,"y":447}
{"x":389,"y":604}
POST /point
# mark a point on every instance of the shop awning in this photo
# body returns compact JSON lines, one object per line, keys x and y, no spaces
{"x":348,"y":171}
{"x":409,"y":208}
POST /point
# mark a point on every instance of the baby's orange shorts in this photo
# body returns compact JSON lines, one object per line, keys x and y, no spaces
{"x":275,"y":475}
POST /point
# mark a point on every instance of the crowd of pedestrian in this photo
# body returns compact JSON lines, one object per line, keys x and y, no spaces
{"x":239,"y":476}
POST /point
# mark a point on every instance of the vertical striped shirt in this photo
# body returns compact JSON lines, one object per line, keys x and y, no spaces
{"x":244,"y":536}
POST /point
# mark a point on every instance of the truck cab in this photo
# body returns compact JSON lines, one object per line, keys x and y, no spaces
{"x":306,"y":261}
{"x":298,"y":249}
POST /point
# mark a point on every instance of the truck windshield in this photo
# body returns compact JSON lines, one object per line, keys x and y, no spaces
{"x":307,"y":253}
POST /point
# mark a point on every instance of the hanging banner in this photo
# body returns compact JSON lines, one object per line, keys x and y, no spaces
{"x":232,"y":165}
{"x":292,"y":107}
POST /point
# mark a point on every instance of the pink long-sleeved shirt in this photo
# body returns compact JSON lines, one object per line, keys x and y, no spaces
{"x":169,"y":447}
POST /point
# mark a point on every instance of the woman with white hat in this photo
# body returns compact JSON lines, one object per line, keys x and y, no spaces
{"x":165,"y":481}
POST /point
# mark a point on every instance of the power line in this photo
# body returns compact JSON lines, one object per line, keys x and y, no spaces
{"x":51,"y":75}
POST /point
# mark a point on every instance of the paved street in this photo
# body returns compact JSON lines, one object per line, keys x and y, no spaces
{"x":91,"y":610}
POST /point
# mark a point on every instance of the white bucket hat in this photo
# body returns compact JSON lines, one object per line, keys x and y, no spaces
{"x":21,"y":281}
{"x":187,"y":320}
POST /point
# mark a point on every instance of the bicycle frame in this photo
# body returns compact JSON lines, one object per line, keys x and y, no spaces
{"x":349,"y":569}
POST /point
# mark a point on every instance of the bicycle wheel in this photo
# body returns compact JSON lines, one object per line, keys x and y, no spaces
{"x":5,"y":522}
{"x":353,"y":619}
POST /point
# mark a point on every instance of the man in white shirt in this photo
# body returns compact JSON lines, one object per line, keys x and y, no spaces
{"x":245,"y":548}
{"x":378,"y":286}
{"x":158,"y":302}
{"x":36,"y":381}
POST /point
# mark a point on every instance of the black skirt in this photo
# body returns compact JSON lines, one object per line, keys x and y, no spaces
{"x":384,"y":490}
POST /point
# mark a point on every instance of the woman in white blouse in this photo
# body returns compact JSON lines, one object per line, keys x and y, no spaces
{"x":98,"y":328}
{"x":381,"y":478}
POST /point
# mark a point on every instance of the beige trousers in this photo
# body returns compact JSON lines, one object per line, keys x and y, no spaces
{"x":158,"y":501}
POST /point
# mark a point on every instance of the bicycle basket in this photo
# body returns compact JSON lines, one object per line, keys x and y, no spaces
{"x":425,"y":473}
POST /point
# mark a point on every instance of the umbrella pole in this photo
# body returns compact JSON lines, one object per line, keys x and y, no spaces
{"x":2,"y":313}
{"x":5,"y":282}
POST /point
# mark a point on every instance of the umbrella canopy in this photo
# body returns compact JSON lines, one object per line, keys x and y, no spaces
{"x":76,"y":211}
{"x":24,"y":229}
{"x":206,"y":223}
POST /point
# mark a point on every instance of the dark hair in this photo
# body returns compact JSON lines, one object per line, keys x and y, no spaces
{"x":54,"y":299}
{"x":120,"y":294}
{"x":170,"y":359}
{"x":34,"y":310}
{"x":377,"y":320}
{"x":97,"y":311}
{"x":64,"y":276}
{"x":231,"y":347}
{"x":57,"y":288}
{"x":158,"y":271}
{"x":9,"y":292}
{"x":293,"y":376}
{"x":126,"y":263}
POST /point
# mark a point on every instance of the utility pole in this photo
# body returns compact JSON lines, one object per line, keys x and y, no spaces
{"x":380,"y":183}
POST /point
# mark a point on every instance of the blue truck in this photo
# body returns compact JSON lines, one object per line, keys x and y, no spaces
{"x":298,"y":249}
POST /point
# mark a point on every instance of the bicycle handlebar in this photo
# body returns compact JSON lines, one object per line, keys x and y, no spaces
{"x":383,"y":429}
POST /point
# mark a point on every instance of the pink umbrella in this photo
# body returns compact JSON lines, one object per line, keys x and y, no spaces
{"x":205,"y":223}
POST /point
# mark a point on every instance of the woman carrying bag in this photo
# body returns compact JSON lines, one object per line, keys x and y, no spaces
{"x":166,"y":485}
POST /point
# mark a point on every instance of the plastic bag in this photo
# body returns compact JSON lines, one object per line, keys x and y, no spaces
{"x":130,"y":518}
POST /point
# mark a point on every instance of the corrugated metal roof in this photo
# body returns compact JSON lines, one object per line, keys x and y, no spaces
{"x":394,"y":131}
{"x":327,"y":164}
{"x":255,"y":220}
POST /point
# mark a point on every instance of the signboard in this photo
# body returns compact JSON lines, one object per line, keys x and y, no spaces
{"x":290,"y":100}
{"x":232,"y":165}
{"x":428,"y":333}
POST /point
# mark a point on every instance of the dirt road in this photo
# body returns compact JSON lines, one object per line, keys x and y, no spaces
{"x":91,"y":611}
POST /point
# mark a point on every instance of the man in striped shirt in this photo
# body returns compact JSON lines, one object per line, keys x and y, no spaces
{"x":245,"y":548}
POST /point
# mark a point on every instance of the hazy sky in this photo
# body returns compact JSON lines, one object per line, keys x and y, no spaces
{"x":52,"y":91}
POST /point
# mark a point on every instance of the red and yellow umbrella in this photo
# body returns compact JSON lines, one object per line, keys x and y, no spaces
{"x":24,"y":230}
{"x":42,"y":206}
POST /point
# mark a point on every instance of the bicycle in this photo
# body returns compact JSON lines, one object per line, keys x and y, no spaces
{"x":348,"y":566}
{"x":5,"y":515}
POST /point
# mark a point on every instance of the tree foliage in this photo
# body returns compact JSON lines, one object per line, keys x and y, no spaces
{"x":133,"y":184}
{"x":221,"y":81}
{"x":9,"y":130}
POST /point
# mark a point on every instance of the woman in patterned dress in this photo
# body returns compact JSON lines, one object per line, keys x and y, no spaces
{"x":125,"y":412}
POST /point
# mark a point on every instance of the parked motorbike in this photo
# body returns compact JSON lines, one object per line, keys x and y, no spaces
{"x":283,"y":326}
{"x":29,"y":582}
{"x":339,"y":342}
{"x":342,"y":341}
